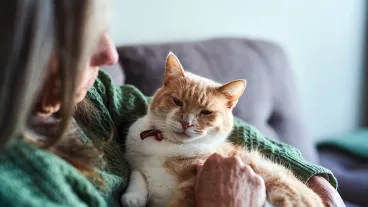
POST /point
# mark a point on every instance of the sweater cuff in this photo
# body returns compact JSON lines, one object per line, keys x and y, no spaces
{"x":305,"y":170}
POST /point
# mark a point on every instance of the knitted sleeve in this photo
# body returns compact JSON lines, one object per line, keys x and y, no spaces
{"x":30,"y":176}
{"x":288,"y":156}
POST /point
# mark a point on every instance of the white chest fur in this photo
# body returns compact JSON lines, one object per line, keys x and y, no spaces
{"x":148,"y":157}
{"x":161,"y":184}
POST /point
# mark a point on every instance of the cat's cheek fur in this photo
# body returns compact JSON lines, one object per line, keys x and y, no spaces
{"x":222,"y":125}
{"x":213,"y":130}
{"x":171,"y":116}
{"x":172,"y":126}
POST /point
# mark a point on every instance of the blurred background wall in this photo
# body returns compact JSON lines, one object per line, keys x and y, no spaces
{"x":322,"y":38}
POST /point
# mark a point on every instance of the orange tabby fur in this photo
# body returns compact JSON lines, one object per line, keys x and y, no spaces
{"x":282,"y":187}
{"x":207,"y":106}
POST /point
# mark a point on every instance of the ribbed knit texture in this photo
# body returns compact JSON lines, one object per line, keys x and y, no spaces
{"x":32,"y":177}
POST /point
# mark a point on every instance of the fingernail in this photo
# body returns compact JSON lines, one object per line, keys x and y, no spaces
{"x":199,"y":167}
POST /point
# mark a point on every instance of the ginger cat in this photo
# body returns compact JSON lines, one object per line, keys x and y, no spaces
{"x":190,"y":118}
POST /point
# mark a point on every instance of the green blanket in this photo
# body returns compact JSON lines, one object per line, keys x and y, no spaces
{"x":355,"y":143}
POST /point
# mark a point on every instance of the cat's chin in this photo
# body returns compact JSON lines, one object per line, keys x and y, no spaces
{"x":186,"y":138}
{"x":182,"y":137}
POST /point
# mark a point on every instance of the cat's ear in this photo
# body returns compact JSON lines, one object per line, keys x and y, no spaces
{"x":233,"y":91}
{"x":174,"y":69}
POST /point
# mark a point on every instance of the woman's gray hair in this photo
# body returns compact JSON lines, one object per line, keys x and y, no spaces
{"x":31,"y":31}
{"x":26,"y":43}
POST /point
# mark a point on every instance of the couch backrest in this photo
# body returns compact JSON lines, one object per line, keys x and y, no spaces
{"x":269,"y":102}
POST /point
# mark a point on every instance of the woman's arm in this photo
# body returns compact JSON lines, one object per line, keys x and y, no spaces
{"x":288,"y":156}
{"x":319,"y":179}
{"x":329,"y":195}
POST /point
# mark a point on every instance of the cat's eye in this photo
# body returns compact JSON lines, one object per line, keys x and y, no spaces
{"x":177,"y":102}
{"x":206,"y":112}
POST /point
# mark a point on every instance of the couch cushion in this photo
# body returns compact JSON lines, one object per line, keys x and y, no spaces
{"x":269,"y":101}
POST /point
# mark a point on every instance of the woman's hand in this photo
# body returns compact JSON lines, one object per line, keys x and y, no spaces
{"x":328,"y":194}
{"x":228,"y":182}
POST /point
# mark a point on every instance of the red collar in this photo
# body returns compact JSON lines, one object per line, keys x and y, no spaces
{"x":152,"y":132}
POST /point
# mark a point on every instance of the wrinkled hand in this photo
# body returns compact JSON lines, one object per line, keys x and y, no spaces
{"x":328,"y":194}
{"x":228,"y":182}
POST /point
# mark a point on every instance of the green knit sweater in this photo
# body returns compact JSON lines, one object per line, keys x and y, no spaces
{"x":32,"y":177}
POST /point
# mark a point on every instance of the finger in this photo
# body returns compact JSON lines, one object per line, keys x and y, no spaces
{"x":215,"y":157}
{"x":235,"y":161}
{"x":259,"y":191}
{"x":199,"y":168}
{"x":213,"y":161}
{"x":248,"y":170}
{"x":258,"y":182}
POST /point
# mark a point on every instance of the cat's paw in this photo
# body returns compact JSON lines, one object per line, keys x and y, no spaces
{"x":133,"y":200}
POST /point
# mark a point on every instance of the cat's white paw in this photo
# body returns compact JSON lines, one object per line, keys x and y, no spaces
{"x":133,"y":200}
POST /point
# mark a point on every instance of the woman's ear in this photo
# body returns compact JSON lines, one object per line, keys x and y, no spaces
{"x":49,"y":99}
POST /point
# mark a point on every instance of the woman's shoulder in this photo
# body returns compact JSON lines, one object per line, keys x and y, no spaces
{"x":119,"y":104}
{"x":104,"y":84}
{"x":106,"y":92}
{"x":33,"y":177}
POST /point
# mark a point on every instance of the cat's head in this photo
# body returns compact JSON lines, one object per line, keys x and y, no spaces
{"x":191,"y":108}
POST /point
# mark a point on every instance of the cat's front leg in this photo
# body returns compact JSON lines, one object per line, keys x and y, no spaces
{"x":136,"y":194}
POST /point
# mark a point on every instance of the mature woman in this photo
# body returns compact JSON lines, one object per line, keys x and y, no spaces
{"x":50,"y":52}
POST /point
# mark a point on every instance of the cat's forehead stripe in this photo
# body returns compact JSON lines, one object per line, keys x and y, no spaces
{"x":199,"y":92}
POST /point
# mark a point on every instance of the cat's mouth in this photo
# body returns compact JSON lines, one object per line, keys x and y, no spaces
{"x":183,"y":135}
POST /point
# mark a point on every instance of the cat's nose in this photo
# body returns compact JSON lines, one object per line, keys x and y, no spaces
{"x":185,"y":124}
